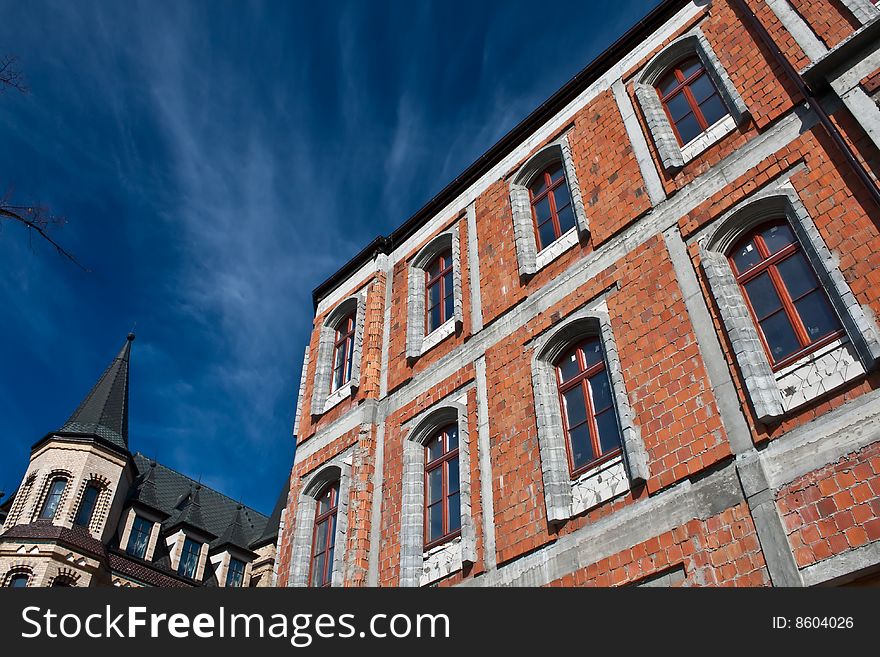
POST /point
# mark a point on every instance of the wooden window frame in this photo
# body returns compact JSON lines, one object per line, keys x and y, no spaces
{"x":330,"y":529}
{"x":582,"y":381}
{"x":441,"y":462}
{"x":446,"y":266}
{"x":769,"y":264}
{"x":344,"y":338}
{"x":683,"y":87}
{"x":554,"y":213}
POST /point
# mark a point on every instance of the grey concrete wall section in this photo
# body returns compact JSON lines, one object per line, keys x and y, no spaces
{"x":865,"y":11}
{"x":484,"y":449}
{"x":376,"y":509}
{"x":781,"y":565}
{"x":843,"y":568}
{"x":798,"y":28}
{"x":358,"y":350}
{"x":302,"y":389}
{"x":748,"y":350}
{"x":474,"y":270}
{"x":468,"y":528}
{"x":523,"y":231}
{"x":639,"y":144}
{"x":846,"y":83}
{"x":412,"y":514}
{"x":386,"y":325}
{"x":622,"y":530}
{"x":723,"y":388}
{"x":457,"y":300}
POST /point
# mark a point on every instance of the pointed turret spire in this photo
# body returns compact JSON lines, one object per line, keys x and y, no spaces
{"x":104,"y":411}
{"x":234,"y":534}
{"x":191,"y":510}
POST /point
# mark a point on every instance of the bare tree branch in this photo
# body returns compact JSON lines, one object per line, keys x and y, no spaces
{"x":10,"y":76}
{"x":37,"y":219}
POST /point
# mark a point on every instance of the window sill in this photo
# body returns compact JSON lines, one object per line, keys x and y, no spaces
{"x":818,"y":373}
{"x":437,"y":336}
{"x":599,"y":484}
{"x":548,"y":254}
{"x":337,"y":396}
{"x":441,"y":561}
{"x":713,"y":134}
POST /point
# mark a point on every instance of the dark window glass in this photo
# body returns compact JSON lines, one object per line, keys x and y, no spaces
{"x":189,"y":558}
{"x":587,"y":405}
{"x":87,"y":506}
{"x":439,"y":292}
{"x":235,"y":573}
{"x":56,"y":490}
{"x":19,"y":581}
{"x":442,"y":483}
{"x":343,"y":350}
{"x":139,"y":537}
{"x":551,"y":205}
{"x":324,"y":536}
{"x":690,"y":99}
{"x":789,"y":305}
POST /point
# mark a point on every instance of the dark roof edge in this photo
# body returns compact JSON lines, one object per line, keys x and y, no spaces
{"x":589,"y":74}
{"x":76,"y":437}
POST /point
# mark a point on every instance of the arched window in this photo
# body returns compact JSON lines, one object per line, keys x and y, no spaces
{"x":343,"y":352}
{"x":788,"y":304}
{"x":442,"y":484}
{"x":550,"y":199}
{"x":87,"y":505}
{"x":18,"y":581}
{"x":690,"y":98}
{"x":324,"y":536}
{"x":338,"y":358}
{"x":591,"y":426}
{"x":65,"y":582}
{"x":53,"y":498}
{"x":439,"y":292}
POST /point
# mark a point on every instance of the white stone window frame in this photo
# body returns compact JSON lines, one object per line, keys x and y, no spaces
{"x":565,"y":497}
{"x":864,"y":11}
{"x":337,"y":469}
{"x":767,"y":390}
{"x":673,"y":155}
{"x":417,"y":341}
{"x":150,"y":516}
{"x":322,"y":399}
{"x":420,"y":567}
{"x":530,"y":260}
{"x":221,"y":560}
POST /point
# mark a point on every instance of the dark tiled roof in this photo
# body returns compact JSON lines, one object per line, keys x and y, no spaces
{"x":144,"y":572}
{"x":270,"y":533}
{"x":104,"y":411}
{"x":177,"y":496}
{"x":76,"y":537}
{"x":234,"y":534}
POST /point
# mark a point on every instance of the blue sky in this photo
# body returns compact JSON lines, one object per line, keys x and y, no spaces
{"x":215,"y":161}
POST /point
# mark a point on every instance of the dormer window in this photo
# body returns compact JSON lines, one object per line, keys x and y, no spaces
{"x":139,"y":538}
{"x":235,"y":573}
{"x":189,"y":558}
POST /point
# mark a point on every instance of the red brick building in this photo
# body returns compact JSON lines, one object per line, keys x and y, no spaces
{"x":634,"y":343}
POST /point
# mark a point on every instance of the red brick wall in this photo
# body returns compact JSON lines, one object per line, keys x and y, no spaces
{"x":829,"y":19}
{"x":721,"y":551}
{"x":834,"y":509}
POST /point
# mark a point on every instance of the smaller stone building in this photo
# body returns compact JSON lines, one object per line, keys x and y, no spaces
{"x":89,"y":512}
